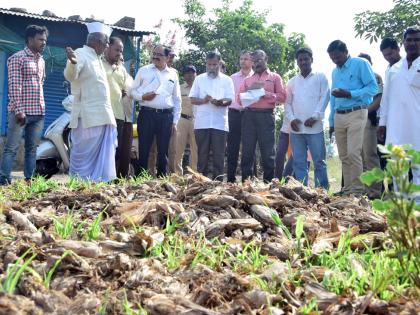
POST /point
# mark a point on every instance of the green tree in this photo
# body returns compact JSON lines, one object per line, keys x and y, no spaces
{"x":375,"y":25}
{"x":230,"y":31}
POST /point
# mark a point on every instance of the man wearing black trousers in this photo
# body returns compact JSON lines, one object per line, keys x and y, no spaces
{"x":235,"y":115}
{"x":157,"y":88}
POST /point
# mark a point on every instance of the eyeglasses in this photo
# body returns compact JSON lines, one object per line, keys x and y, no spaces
{"x":158,"y":54}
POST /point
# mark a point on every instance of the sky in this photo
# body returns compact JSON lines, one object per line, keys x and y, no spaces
{"x":321,"y":21}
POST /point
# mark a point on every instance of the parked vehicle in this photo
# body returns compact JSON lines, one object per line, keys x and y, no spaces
{"x":53,"y":152}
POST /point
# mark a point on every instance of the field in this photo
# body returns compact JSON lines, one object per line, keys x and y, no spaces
{"x":188,"y":245}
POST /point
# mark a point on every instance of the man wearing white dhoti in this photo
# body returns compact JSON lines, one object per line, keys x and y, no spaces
{"x":400,"y":106}
{"x":94,"y":133}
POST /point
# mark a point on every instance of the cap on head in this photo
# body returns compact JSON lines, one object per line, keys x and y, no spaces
{"x":98,"y":27}
{"x":189,"y":68}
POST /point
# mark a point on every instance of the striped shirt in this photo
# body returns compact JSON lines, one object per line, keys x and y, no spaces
{"x":26,"y":74}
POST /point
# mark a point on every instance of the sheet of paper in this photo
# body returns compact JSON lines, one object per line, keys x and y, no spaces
{"x":152,"y":86}
{"x":251,"y":96}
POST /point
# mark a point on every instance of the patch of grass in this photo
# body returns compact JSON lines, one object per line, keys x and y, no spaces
{"x":20,"y":190}
{"x":15,"y":270}
{"x":210,"y":254}
{"x":75,"y":183}
{"x":362,"y":271}
{"x":249,"y":259}
{"x":143,"y":177}
{"x":64,"y":225}
{"x":94,"y":229}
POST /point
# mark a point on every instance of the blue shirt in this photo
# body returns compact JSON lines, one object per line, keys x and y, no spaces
{"x":357,"y":77}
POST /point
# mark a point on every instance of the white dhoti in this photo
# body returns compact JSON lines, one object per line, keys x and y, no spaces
{"x":92,"y":156}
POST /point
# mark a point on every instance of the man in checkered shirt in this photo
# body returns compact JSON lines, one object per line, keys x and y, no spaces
{"x":26,"y":74}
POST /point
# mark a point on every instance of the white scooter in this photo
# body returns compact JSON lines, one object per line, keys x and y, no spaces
{"x":53,"y":150}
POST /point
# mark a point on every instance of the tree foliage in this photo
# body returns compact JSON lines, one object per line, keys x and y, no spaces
{"x":375,"y":25}
{"x":232,"y":30}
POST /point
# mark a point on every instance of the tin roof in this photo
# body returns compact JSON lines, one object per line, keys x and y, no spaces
{"x":123,"y":30}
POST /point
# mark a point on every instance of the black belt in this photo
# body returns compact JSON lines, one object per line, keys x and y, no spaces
{"x":186,"y":116}
{"x":259,"y":110}
{"x":235,"y":110}
{"x":157,"y":110}
{"x":349,"y":110}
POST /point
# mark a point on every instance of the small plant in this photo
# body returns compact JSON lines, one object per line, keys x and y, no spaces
{"x":400,"y":206}
{"x":14,"y":272}
{"x":64,"y":225}
{"x":104,"y":305}
{"x":172,"y":226}
{"x":128,"y":310}
{"x":48,"y":276}
{"x":300,"y":221}
{"x":94,"y":230}
{"x":277,"y":220}
{"x":310,"y":308}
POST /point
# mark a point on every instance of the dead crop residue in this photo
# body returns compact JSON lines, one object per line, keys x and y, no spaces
{"x":186,"y":246}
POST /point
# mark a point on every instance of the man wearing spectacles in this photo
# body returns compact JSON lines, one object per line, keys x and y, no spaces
{"x":156,"y":87}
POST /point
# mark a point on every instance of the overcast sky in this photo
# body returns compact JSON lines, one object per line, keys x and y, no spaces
{"x":312,"y":18}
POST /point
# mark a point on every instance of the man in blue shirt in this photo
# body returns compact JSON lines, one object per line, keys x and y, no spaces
{"x":353,"y":88}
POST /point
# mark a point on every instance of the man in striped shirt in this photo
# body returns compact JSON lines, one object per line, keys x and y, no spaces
{"x":26,"y":74}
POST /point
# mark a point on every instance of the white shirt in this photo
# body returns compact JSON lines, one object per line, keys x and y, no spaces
{"x":89,"y":86}
{"x":401,"y":104}
{"x":165,"y":82}
{"x":307,"y":97}
{"x":208,"y":115}
{"x":285,"y":126}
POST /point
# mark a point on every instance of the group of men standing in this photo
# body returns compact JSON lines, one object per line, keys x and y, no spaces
{"x":212,"y":113}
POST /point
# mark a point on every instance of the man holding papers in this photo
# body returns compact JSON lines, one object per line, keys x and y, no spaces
{"x":157,"y":88}
{"x":259,"y":95}
{"x":211,"y":94}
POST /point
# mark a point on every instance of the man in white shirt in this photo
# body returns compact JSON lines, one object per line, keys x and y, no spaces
{"x":156,"y":87}
{"x":94,"y":133}
{"x":235,"y":115}
{"x":212,"y":92}
{"x":307,"y":97}
{"x":400,"y":106}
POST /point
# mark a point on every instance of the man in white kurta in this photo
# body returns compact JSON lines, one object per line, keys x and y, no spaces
{"x":400,"y":108}
{"x":94,"y":134}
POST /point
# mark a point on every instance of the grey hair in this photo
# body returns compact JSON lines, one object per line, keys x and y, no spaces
{"x":96,"y":37}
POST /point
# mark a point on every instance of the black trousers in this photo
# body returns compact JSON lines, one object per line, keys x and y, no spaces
{"x":122,"y":154}
{"x":149,"y":125}
{"x":258,"y":126}
{"x":213,"y":140}
{"x":233,"y":143}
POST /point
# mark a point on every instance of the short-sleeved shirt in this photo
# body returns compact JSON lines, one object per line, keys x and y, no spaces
{"x":186,"y":106}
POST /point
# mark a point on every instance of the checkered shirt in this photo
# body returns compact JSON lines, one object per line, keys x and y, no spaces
{"x":26,"y":74}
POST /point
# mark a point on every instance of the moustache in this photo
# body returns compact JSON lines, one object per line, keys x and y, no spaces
{"x":155,"y":58}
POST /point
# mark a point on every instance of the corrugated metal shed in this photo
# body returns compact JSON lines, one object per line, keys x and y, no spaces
{"x":123,"y":30}
{"x":63,"y":32}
